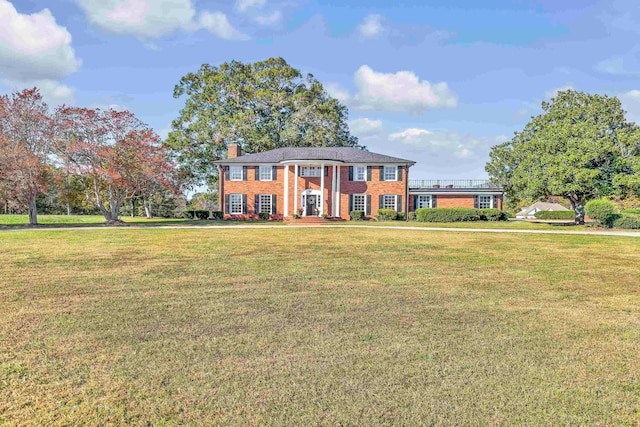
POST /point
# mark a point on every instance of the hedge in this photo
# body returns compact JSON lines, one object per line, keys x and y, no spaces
{"x":493,"y":215}
{"x":631,"y":211}
{"x":556,"y":215}
{"x":195,"y":214}
{"x":627,"y":222}
{"x":216,"y":215}
{"x":602,"y":211}
{"x":357,"y":215}
{"x":447,"y":214}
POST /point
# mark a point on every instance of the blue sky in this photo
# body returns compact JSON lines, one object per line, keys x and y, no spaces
{"x":437,"y":82}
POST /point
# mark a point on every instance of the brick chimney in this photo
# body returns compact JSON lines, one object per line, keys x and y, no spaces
{"x":233,"y":151}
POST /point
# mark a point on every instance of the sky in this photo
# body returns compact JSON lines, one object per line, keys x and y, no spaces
{"x":438,"y":82}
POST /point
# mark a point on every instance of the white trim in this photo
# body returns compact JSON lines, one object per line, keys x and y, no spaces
{"x":430,"y":204}
{"x":231,"y":178}
{"x":490,"y":201}
{"x":338,"y":195}
{"x":321,"y":189}
{"x":456,"y":193}
{"x":384,"y":172}
{"x":286,"y":190}
{"x":303,"y":196}
{"x":231,"y":202}
{"x":260,"y":167}
{"x":355,"y":173}
{"x":333,"y":191}
{"x":295,"y":188}
{"x":395,"y":201}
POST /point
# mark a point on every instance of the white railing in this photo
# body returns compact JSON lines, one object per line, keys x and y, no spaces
{"x":451,"y":183}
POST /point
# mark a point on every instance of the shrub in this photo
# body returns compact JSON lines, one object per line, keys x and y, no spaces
{"x":601,"y":210}
{"x":357,"y":215}
{"x":387,"y":215}
{"x":493,"y":215}
{"x":627,"y":222}
{"x":447,"y":214}
{"x":217,"y":215}
{"x":556,"y":215}
{"x":412,"y":216}
{"x":264,"y":216}
{"x":188,"y":214}
{"x":201,"y":214}
{"x":631,"y":211}
{"x":400,"y":216}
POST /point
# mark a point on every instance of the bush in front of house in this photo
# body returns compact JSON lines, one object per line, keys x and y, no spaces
{"x":568,"y":215}
{"x":412,"y":216}
{"x":447,"y":214}
{"x":217,"y":215}
{"x":388,"y":215}
{"x":493,"y":215}
{"x":602,"y":210}
{"x":357,"y":215}
{"x":195,"y":214}
{"x":264,"y":216}
{"x":634,"y":211}
{"x":627,"y":222}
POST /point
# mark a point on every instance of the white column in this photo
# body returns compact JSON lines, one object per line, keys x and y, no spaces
{"x":338,"y":192}
{"x":321,"y":188}
{"x":295,"y":189}
{"x":333,"y":191}
{"x":286,"y":190}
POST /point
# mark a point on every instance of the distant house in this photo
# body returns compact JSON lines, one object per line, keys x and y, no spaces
{"x":333,"y":181}
{"x":530,"y":211}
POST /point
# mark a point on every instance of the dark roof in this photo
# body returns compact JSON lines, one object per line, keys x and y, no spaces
{"x":341,"y":154}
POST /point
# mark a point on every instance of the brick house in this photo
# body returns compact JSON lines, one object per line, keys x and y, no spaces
{"x":331,"y":181}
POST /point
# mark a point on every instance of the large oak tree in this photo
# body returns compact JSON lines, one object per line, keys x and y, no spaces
{"x":260,"y":106}
{"x":580,"y":147}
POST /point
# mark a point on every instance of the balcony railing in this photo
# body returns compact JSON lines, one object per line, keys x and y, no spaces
{"x":455,"y":183}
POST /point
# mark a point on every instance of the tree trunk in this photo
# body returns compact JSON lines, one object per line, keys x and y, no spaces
{"x":577,"y":205}
{"x":33,"y":211}
{"x":133,"y":207}
{"x":66,"y":188}
{"x":147,"y":208}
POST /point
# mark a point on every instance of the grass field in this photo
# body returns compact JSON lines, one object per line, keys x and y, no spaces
{"x":318,"y":326}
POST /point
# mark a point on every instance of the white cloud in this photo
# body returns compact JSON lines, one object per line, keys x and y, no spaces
{"x":554,"y":92}
{"x":244,"y":5}
{"x":631,"y":103}
{"x":363,"y":127}
{"x":461,"y":146}
{"x":270,"y":19}
{"x":149,"y":19}
{"x":401,"y":91}
{"x":34,"y":47}
{"x":53,"y":92}
{"x":337,"y":91}
{"x":371,"y":26}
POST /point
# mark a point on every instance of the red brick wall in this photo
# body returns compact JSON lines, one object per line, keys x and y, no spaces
{"x":375,"y":188}
{"x":457,"y":201}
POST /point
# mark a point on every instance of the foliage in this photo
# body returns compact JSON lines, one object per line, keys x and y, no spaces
{"x":601,"y":210}
{"x":204,"y":201}
{"x":492,"y":215}
{"x":412,"y":216}
{"x":195,"y":214}
{"x":116,"y":156}
{"x":357,"y":215}
{"x":580,"y":147}
{"x":631,"y":211}
{"x":568,"y":215}
{"x":260,"y":106}
{"x":387,"y":215}
{"x":264,"y":216}
{"x":25,"y":145}
{"x":627,"y":222}
{"x":217,"y":215}
{"x":447,"y":214}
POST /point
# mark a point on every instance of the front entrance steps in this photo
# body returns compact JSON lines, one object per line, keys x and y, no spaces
{"x":311,"y":220}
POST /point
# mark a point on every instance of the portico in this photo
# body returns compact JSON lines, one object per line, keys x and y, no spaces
{"x":316,"y":188}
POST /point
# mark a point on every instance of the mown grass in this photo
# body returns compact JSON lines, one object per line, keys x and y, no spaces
{"x":317,"y":326}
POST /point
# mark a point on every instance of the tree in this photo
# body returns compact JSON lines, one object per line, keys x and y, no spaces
{"x":580,"y":147}
{"x":116,"y":156}
{"x":260,"y":106}
{"x":25,"y":128}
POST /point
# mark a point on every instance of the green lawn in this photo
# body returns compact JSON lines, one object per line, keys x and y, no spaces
{"x":316,"y":326}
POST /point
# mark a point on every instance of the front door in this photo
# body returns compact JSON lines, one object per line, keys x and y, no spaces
{"x":312,"y":204}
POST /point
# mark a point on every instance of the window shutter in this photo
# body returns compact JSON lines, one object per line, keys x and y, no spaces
{"x":434,"y":201}
{"x":274,"y":199}
{"x":256,"y":204}
{"x":227,"y":203}
{"x":350,"y":176}
{"x":415,"y":202}
{"x":368,"y":204}
{"x":381,"y":173}
{"x":326,"y":171}
{"x":244,"y":203}
{"x":274,"y":173}
{"x":245,"y":173}
{"x":257,"y":172}
{"x":380,"y":201}
{"x":475,"y":202}
{"x":226,"y":173}
{"x":350,"y":202}
{"x":399,"y":203}
{"x":399,"y":173}
{"x":369,"y":173}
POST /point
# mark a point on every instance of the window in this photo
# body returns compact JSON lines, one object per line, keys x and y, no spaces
{"x":359,"y":202}
{"x":235,"y":204}
{"x":266,"y":173}
{"x":485,"y":202}
{"x":264,"y":203}
{"x":359,"y":173}
{"x":389,"y":202}
{"x":311,"y":171}
{"x":236,"y":173}
{"x":390,"y":173}
{"x":424,"y":201}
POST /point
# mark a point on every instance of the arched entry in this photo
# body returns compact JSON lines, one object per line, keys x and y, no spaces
{"x":310,"y":201}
